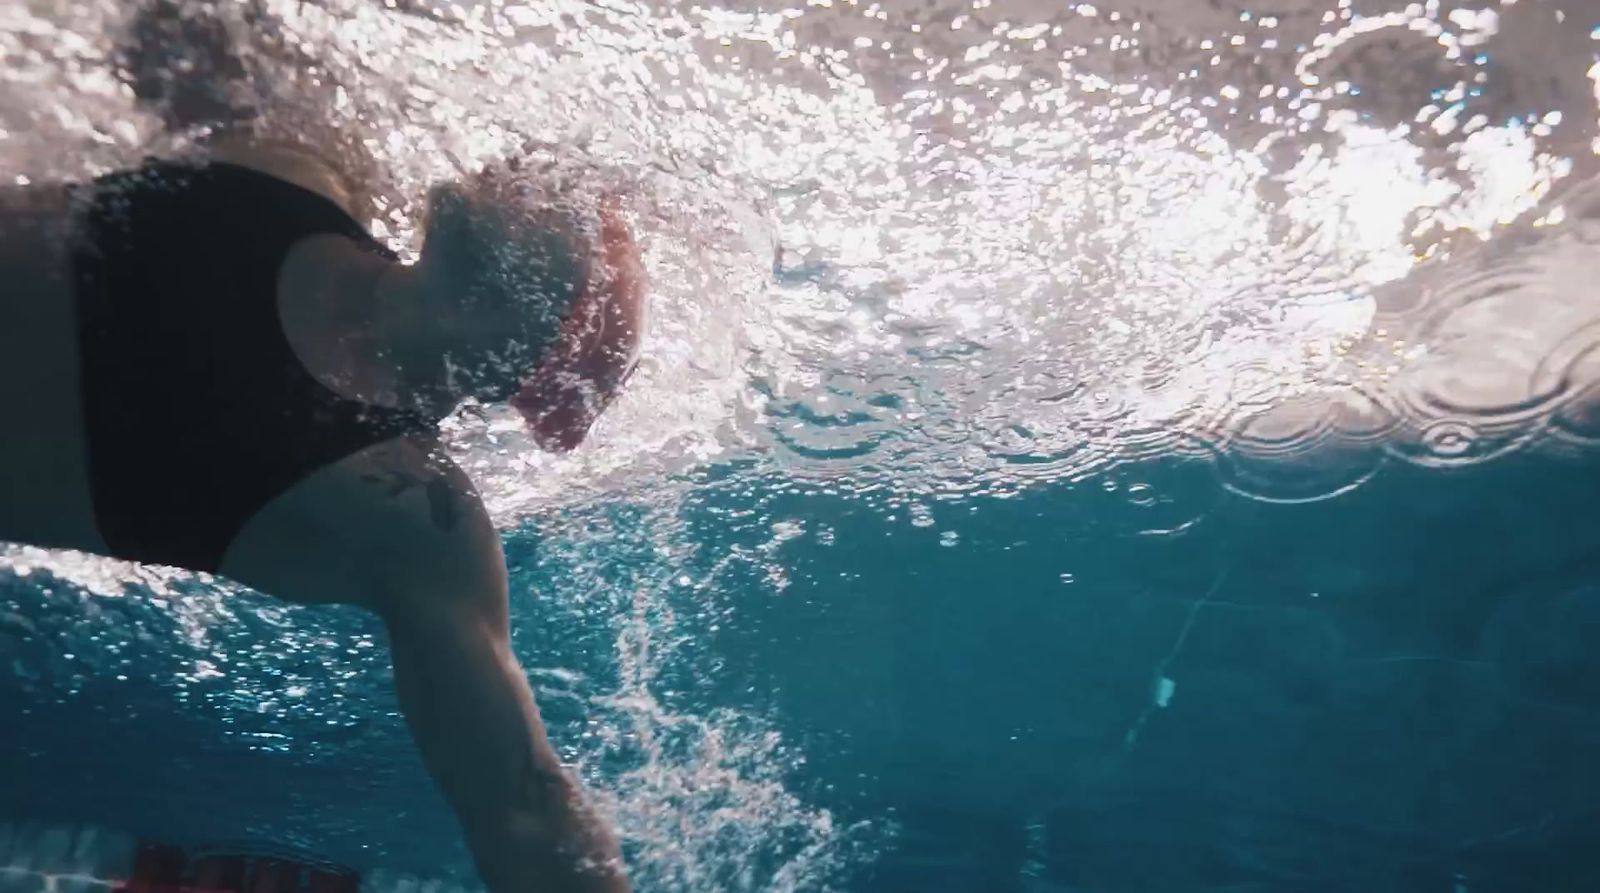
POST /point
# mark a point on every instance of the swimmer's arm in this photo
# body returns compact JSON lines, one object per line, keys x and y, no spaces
{"x":400,"y":530}
{"x":467,"y":701}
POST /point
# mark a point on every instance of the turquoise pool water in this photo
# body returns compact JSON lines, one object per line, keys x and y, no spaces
{"x":1394,"y":690}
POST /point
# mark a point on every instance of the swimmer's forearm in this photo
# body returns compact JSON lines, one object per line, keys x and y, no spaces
{"x":469,"y":705}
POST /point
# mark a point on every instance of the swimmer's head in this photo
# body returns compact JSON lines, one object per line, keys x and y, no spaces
{"x":536,"y":303}
{"x":597,"y":347}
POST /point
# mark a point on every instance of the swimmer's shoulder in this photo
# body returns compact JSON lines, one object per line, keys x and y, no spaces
{"x":293,"y":164}
{"x":399,"y":516}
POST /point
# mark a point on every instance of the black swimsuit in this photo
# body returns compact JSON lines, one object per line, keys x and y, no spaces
{"x":198,"y":413}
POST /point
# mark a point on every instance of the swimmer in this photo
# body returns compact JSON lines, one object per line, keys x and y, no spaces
{"x":212,"y":365}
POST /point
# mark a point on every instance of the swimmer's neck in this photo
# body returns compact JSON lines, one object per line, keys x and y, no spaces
{"x":357,"y":323}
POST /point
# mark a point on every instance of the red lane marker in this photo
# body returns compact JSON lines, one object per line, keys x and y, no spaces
{"x":220,"y":873}
{"x":269,"y":875}
{"x":162,"y":868}
{"x":157,"y":868}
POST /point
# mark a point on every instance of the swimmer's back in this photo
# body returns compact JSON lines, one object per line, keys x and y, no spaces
{"x":197,"y":410}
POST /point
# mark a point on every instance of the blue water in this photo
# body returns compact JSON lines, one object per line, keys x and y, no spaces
{"x":1394,"y":690}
